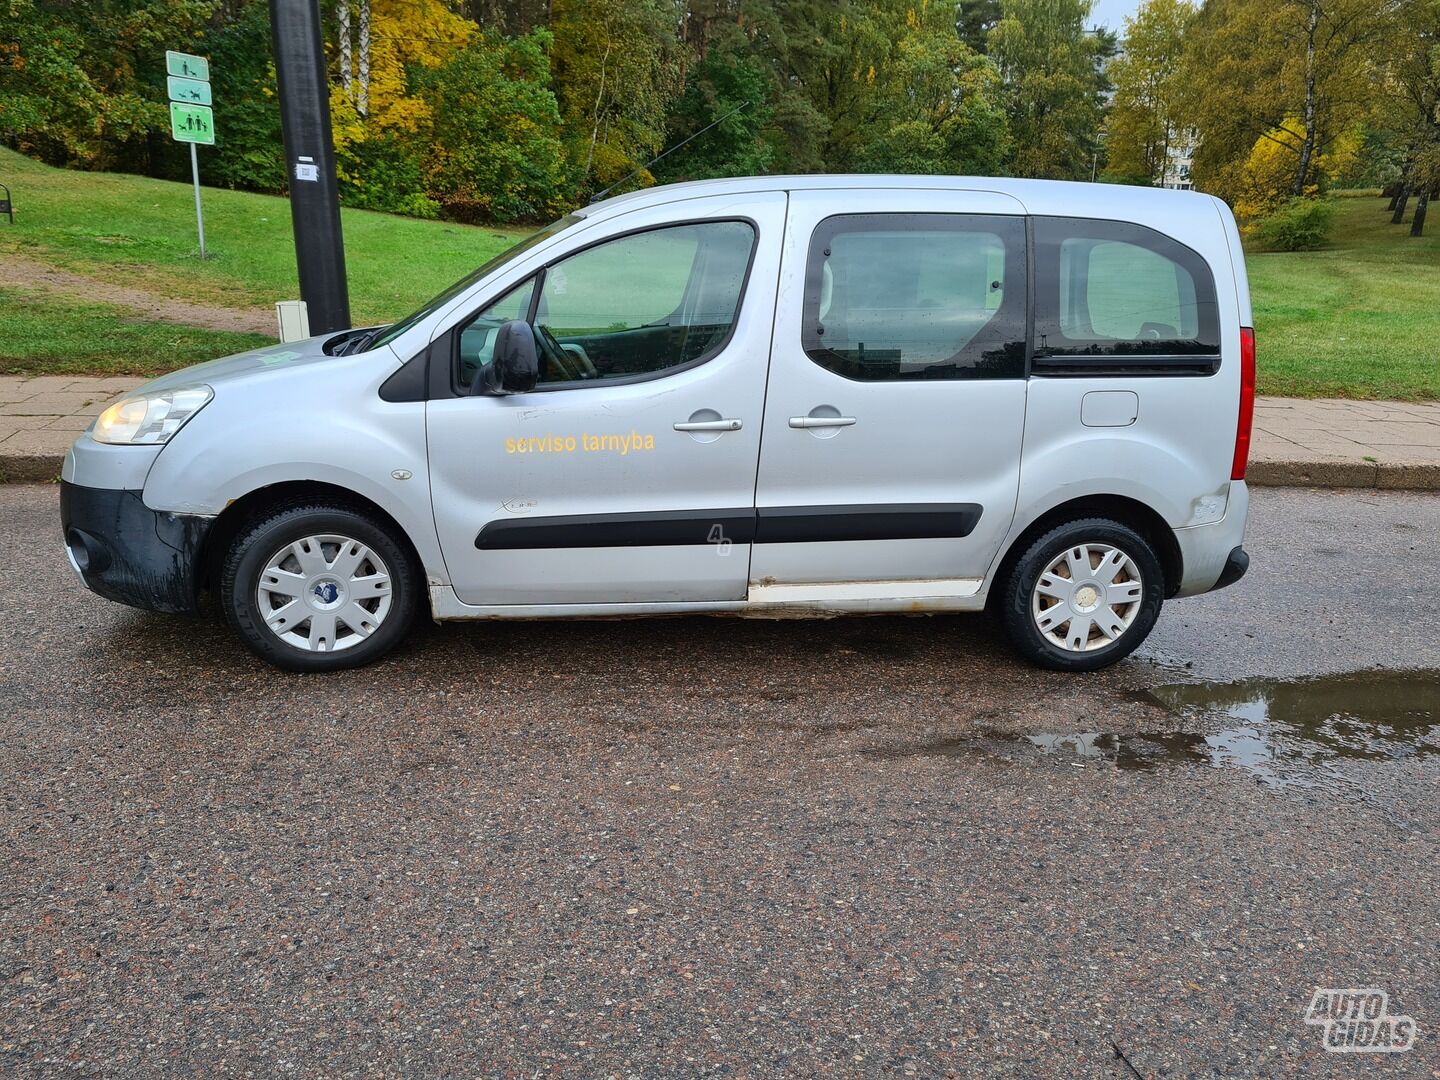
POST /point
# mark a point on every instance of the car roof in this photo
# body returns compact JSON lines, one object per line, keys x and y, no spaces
{"x":1037,"y":196}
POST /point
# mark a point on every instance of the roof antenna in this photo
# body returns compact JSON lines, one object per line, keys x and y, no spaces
{"x":666,"y":153}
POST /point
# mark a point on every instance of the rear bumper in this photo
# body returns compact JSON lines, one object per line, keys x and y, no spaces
{"x":1235,"y":567}
{"x":1208,"y":552}
{"x":127,"y":552}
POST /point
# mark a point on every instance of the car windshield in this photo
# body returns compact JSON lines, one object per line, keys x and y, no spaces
{"x":390,"y":333}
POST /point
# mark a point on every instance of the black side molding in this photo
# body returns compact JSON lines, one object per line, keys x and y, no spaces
{"x":656,"y":529}
{"x":768,"y":525}
{"x":902,"y":521}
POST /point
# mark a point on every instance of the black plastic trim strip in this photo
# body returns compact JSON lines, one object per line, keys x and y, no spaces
{"x":645,"y":529}
{"x":905,"y":521}
{"x":768,"y":525}
{"x":1125,"y":365}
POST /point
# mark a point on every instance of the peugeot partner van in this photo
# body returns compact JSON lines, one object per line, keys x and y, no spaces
{"x":760,"y":397}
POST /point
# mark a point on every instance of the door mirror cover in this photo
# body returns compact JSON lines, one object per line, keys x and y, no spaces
{"x":515,"y":364}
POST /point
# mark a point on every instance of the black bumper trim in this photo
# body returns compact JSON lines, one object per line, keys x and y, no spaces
{"x":129,"y":553}
{"x":1235,"y":567}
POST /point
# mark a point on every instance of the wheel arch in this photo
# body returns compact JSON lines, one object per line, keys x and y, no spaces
{"x":1133,"y":513}
{"x":262,"y":500}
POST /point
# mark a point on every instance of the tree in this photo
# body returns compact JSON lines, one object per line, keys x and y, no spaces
{"x":880,"y":86}
{"x":974,"y":19}
{"x":1145,"y":114}
{"x":1301,"y":68}
{"x":729,"y":88}
{"x":86,"y":82}
{"x":379,"y":120}
{"x":249,"y":152}
{"x":617,"y":64}
{"x":495,"y":148}
{"x":1412,"y":105}
{"x":1054,"y":85}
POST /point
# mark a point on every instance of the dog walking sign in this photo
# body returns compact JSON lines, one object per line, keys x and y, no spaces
{"x":191,"y":118}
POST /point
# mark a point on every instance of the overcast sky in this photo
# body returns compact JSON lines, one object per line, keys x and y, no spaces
{"x":1112,"y":13}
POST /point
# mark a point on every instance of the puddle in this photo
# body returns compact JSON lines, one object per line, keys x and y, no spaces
{"x":1281,"y":732}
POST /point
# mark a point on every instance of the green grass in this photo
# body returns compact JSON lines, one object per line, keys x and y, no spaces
{"x":141,"y":232}
{"x":44,"y":336}
{"x":1358,"y":319}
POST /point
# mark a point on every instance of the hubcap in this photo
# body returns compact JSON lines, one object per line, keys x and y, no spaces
{"x":1087,"y":597}
{"x":324,"y":593}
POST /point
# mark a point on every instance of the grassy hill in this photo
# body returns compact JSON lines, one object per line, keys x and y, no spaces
{"x":1359,"y":319}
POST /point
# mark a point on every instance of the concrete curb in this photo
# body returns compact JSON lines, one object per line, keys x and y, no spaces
{"x":1381,"y":476}
{"x":30,"y":468}
{"x":45,"y":468}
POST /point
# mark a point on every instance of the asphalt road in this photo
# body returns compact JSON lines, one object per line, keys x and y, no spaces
{"x":727,"y":848}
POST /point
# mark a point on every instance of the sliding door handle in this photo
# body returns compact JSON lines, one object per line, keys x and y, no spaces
{"x":709,"y":425}
{"x":821,"y":421}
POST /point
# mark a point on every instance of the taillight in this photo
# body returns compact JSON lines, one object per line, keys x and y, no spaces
{"x":1247,"y":404}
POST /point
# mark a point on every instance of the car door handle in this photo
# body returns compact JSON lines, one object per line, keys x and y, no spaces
{"x":821,"y":421}
{"x":709,"y":425}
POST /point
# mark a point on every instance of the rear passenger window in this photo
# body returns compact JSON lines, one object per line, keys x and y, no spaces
{"x":1113,"y":290}
{"x":917,"y":296}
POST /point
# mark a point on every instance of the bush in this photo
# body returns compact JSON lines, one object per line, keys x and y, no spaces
{"x":495,"y":155}
{"x":384,"y":174}
{"x":1298,"y":225}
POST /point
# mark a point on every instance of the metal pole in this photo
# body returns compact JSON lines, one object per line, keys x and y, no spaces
{"x":310,"y":162}
{"x":199,"y":214}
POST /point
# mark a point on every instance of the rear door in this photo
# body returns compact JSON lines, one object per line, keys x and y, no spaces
{"x":896,"y":399}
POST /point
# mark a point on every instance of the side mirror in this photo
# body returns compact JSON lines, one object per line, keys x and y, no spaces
{"x":515,"y":364}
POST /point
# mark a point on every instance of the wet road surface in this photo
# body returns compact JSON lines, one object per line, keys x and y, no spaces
{"x":728,"y":848}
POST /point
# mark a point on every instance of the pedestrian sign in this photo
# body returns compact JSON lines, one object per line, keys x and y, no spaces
{"x":190,"y":91}
{"x":186,"y":66}
{"x":192,"y":123}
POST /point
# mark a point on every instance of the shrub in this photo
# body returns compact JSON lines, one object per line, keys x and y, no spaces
{"x":494,"y":153}
{"x":384,"y":174}
{"x":1298,"y":225}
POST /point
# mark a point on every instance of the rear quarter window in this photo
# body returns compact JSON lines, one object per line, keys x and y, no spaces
{"x":1113,"y":294}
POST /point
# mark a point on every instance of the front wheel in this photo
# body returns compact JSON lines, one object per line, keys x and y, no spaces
{"x":1083,"y":596}
{"x":316,"y":587}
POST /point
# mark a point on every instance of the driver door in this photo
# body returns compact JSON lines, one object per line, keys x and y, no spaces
{"x":628,"y":474}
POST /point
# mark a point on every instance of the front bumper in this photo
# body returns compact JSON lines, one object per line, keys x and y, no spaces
{"x":127,"y":552}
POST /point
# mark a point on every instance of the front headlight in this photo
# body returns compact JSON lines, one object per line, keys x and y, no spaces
{"x":151,"y":418}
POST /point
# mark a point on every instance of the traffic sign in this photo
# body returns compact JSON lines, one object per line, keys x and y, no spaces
{"x":192,"y":123}
{"x":187,"y":66}
{"x":190,"y":91}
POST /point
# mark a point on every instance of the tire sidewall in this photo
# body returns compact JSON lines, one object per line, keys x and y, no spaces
{"x":253,"y":548}
{"x":1020,"y":623}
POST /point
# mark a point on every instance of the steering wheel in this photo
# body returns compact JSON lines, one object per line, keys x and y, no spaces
{"x":566,"y":358}
{"x":555,"y":355}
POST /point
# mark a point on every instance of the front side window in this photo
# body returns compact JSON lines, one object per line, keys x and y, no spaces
{"x":642,"y":304}
{"x":917,"y":296}
{"x":476,"y":346}
{"x":390,"y":333}
{"x":1112,"y":289}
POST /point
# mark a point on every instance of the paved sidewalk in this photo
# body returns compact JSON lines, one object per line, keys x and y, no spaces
{"x":1329,"y":442}
{"x":1324,"y":443}
{"x":40,"y":417}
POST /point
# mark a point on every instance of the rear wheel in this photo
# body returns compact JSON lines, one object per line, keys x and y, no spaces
{"x":317,"y":587}
{"x":1083,"y":596}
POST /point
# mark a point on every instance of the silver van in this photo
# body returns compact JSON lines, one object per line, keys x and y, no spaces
{"x":760,"y":397}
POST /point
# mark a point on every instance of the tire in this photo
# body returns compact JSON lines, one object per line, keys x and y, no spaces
{"x":1094,"y":624}
{"x":263,"y":573}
